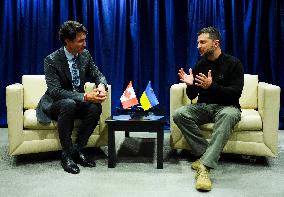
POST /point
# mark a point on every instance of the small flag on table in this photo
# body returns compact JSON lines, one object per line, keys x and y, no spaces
{"x":128,"y":97}
{"x":148,"y":98}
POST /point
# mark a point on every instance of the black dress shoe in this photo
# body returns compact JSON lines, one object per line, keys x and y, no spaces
{"x":68,"y":164}
{"x":83,"y":160}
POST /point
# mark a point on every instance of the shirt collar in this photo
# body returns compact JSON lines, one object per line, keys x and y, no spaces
{"x":217,"y":61}
{"x":69,"y":55}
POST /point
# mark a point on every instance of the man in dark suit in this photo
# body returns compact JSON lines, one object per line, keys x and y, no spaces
{"x":66,"y":71}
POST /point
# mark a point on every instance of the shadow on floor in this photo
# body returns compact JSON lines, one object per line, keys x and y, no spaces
{"x":46,"y":157}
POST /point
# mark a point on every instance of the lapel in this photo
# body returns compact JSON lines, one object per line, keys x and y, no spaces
{"x":65,"y":67}
{"x":80,"y":65}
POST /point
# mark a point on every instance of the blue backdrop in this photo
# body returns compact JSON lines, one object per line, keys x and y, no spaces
{"x":142,"y":40}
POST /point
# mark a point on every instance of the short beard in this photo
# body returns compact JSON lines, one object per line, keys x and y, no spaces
{"x":209,"y":52}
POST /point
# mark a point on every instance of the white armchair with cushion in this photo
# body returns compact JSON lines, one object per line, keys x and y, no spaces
{"x":26,"y":134}
{"x":256,"y":133}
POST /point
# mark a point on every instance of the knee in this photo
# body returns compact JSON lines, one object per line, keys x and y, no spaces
{"x":231,"y":114}
{"x":178,"y":114}
{"x":95,"y":109}
{"x":68,"y":105}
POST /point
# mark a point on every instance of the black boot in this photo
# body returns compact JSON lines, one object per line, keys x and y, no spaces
{"x":68,"y":163}
{"x":81,"y":158}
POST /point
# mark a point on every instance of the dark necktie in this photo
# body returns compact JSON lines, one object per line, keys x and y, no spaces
{"x":75,"y":75}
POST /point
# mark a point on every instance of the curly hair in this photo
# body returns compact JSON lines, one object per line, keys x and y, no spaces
{"x":69,"y":30}
{"x":213,"y":32}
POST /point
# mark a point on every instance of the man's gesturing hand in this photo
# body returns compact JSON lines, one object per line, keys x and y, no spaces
{"x":203,"y":81}
{"x":186,"y":78}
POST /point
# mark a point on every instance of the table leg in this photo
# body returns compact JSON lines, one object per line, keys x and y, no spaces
{"x":111,"y":147}
{"x":160,"y":145}
{"x":126,"y":133}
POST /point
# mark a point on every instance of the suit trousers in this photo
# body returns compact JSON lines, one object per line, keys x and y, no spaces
{"x":188,"y":119}
{"x":65,"y":111}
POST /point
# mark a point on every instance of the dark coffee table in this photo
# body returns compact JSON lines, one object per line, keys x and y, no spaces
{"x":137,"y":122}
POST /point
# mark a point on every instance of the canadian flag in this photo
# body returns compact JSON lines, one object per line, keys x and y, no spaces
{"x":128,"y":97}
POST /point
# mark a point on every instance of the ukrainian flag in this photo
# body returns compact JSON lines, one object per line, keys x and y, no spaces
{"x":148,"y":98}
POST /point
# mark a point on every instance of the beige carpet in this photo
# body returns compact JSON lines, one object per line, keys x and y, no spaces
{"x":136,"y":173}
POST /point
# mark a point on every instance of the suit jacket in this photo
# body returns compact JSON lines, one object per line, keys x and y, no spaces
{"x":59,"y":81}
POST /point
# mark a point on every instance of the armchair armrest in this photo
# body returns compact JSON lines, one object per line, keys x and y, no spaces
{"x":106,"y":107}
{"x":88,"y":87}
{"x":268,"y":107}
{"x":106,"y":112}
{"x":177,"y":96}
{"x":15,"y":106}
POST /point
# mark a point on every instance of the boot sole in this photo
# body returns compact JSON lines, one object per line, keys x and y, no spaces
{"x":203,"y":189}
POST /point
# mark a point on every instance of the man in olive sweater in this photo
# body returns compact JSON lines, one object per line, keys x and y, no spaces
{"x":217,"y":80}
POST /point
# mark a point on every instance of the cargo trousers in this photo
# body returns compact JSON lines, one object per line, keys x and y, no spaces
{"x":188,"y":119}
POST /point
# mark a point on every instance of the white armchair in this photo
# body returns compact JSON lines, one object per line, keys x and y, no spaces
{"x":26,"y":134}
{"x":256,"y":133}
